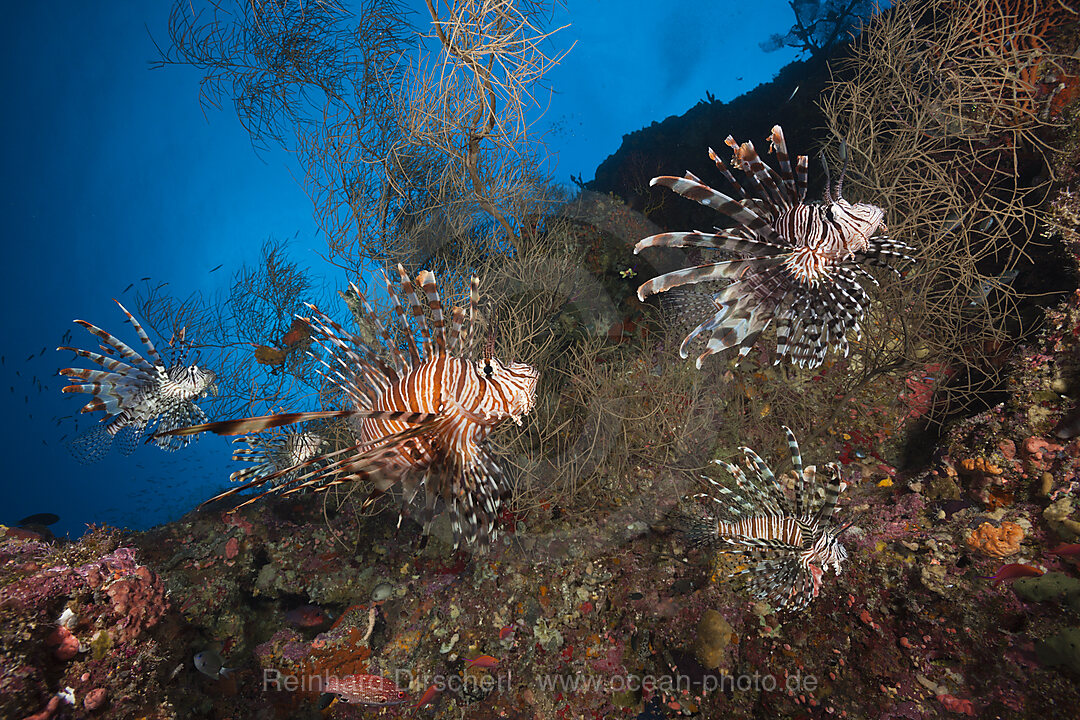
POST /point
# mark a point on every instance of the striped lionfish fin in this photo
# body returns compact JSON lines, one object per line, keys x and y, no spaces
{"x":455,"y":345}
{"x":111,"y":364}
{"x":396,"y":357}
{"x":759,"y":175}
{"x":764,"y":503}
{"x":777,"y":580}
{"x":426,"y":281}
{"x":91,"y":445}
{"x":403,"y":322}
{"x":417,"y":312}
{"x":351,"y":358}
{"x":768,"y":481}
{"x":692,"y":188}
{"x":182,"y":414}
{"x":354,"y":463}
{"x":703,"y":273}
{"x":800,"y":505}
{"x":375,"y":461}
{"x":470,"y":329}
{"x":150,"y":349}
{"x":255,"y":424}
{"x":832,"y":495}
{"x":779,"y":147}
{"x":726,"y":172}
{"x":718,"y":241}
{"x":117,"y":345}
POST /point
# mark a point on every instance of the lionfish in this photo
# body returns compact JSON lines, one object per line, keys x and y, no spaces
{"x":423,"y":416}
{"x":800,"y":264}
{"x":792,"y":541}
{"x":276,"y":454}
{"x":136,"y":394}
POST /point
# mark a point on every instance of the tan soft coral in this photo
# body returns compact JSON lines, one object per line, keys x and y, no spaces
{"x":997,"y":541}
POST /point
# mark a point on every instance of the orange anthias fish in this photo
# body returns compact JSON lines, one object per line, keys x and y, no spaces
{"x":483,"y":661}
{"x":428,"y":696}
{"x":506,"y":632}
{"x":1069,"y":549}
{"x":1013,"y":571}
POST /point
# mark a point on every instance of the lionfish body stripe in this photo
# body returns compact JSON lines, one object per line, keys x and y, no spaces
{"x":422,"y":417}
{"x":135,"y":393}
{"x":799,"y":264}
{"x":793,"y":541}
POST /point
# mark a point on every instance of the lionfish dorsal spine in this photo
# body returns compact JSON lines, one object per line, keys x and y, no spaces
{"x":455,"y":345}
{"x":111,"y":344}
{"x":417,"y":312}
{"x":832,"y":495}
{"x":726,"y":172}
{"x":779,"y":147}
{"x":800,"y":504}
{"x":399,"y":310}
{"x":398,"y":360}
{"x":470,"y":329}
{"x":143,"y":337}
{"x":431,"y":291}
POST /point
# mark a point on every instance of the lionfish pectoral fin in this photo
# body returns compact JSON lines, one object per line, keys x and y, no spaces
{"x":265,"y":422}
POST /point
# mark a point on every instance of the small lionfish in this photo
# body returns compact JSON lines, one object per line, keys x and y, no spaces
{"x":793,"y":542}
{"x":136,"y":394}
{"x":800,"y":263}
{"x":278,"y":454}
{"x":422,"y":419}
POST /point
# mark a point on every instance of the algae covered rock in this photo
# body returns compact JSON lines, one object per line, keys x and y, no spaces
{"x":712,"y":638}
{"x":1062,"y":650}
{"x":1051,"y":586}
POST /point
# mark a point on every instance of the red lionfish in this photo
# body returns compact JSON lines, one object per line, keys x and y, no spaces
{"x":423,"y":418}
{"x":801,"y":262}
{"x":135,"y":393}
{"x":793,"y":542}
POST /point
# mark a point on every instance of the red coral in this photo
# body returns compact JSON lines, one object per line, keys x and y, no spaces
{"x":65,"y":645}
{"x":95,"y":699}
{"x":956,"y":705}
{"x":139,"y":600}
{"x":232,"y":548}
{"x":1039,"y":452}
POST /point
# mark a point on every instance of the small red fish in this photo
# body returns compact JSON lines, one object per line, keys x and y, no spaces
{"x":1013,"y":571}
{"x":373,"y":690}
{"x":308,"y":616}
{"x":484,"y":661}
{"x":298,"y":332}
{"x":428,"y":696}
{"x":1070,"y":549}
{"x":506,"y":632}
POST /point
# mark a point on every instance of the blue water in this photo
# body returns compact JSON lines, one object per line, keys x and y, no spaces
{"x":113,"y":172}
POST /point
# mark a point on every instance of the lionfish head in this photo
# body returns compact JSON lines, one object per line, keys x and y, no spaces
{"x":192,"y":381}
{"x":517,"y":386}
{"x":833,"y":553}
{"x":858,"y":222}
{"x":203,"y":381}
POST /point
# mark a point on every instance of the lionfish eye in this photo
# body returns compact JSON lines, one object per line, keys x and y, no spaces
{"x":488,"y":370}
